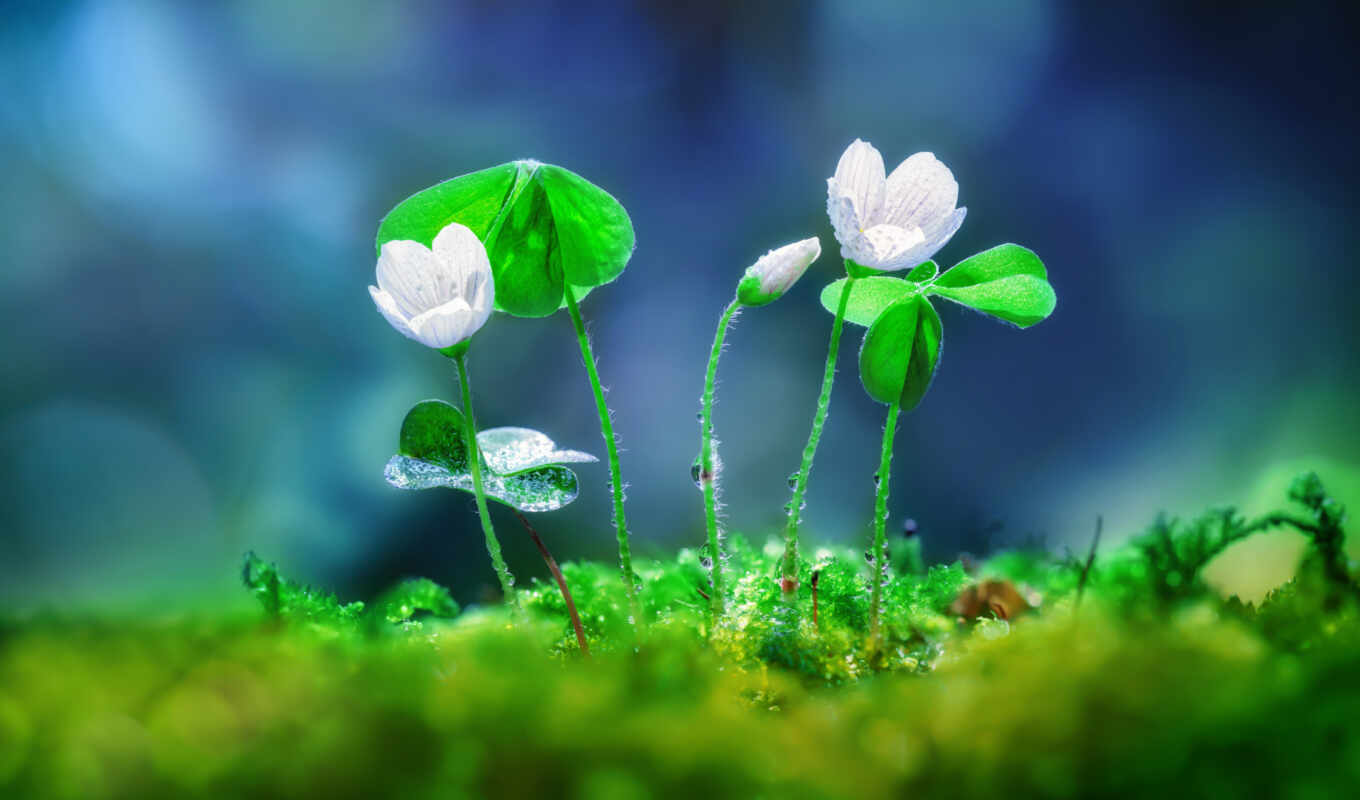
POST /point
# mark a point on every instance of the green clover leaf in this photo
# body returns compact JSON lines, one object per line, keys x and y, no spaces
{"x":544,"y":227}
{"x":1008,"y":282}
{"x":900,"y":351}
{"x":522,"y":468}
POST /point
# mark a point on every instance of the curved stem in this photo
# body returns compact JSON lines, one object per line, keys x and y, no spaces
{"x":493,"y":545}
{"x":708,"y":472}
{"x":790,"y":572}
{"x":607,"y":429}
{"x":883,"y":478}
{"x":561,"y":584}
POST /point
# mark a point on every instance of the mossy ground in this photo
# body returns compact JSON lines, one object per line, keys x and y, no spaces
{"x":1148,"y":686}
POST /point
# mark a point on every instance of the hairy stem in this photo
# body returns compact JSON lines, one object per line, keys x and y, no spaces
{"x":630,"y":579}
{"x":493,"y":545}
{"x":708,"y":473}
{"x":882,"y":479}
{"x":561,"y":584}
{"x":790,"y":571}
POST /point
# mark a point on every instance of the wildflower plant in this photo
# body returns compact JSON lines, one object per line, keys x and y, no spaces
{"x":551,"y":237}
{"x":894,"y":223}
{"x":764,"y":282}
{"x":884,"y":223}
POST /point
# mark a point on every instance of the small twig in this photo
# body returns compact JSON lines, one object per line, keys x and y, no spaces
{"x":702,"y":593}
{"x":561,"y":584}
{"x":816,"y":574}
{"x":1090,"y":560}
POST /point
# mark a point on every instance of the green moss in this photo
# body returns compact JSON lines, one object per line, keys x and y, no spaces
{"x":1147,"y":689}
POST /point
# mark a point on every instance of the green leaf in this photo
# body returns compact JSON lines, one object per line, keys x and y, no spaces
{"x":520,"y":467}
{"x":925,"y":271}
{"x":594,"y":231}
{"x":1008,"y":282}
{"x":542,"y":489}
{"x":543,"y":226}
{"x":900,"y":352}
{"x":474,"y":200}
{"x":526,"y":260}
{"x":868,"y":296}
{"x":514,"y":450}
{"x":435,"y":432}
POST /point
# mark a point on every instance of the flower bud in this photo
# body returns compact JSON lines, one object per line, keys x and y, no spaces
{"x":773,"y":273}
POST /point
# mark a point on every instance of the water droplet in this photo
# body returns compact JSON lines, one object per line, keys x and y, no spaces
{"x":793,"y":481}
{"x":699,"y":417}
{"x":696,"y":473}
{"x":706,"y":562}
{"x":869,"y":556}
{"x":877,"y":480}
{"x":908,"y":528}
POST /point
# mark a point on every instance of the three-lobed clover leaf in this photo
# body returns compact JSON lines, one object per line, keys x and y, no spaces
{"x":521,"y":468}
{"x":1008,"y":282}
{"x":900,"y":351}
{"x":902,"y":346}
{"x":544,"y":228}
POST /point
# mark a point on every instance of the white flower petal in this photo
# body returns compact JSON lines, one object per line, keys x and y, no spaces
{"x":446,"y":325}
{"x":921,"y":193}
{"x":886,"y":247}
{"x":943,"y":232}
{"x":388,"y":307}
{"x":859,"y":174}
{"x":841,"y":209}
{"x":464,"y":259}
{"x":412,"y":275}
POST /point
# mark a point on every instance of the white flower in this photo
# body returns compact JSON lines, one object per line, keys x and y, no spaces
{"x":773,"y":273}
{"x":437,"y":295}
{"x":895,"y":222}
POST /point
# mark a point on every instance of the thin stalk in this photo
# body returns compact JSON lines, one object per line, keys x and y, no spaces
{"x":882,"y":479}
{"x":708,"y":473}
{"x":612,"y":448}
{"x":1090,"y":561}
{"x":561,"y":584}
{"x":816,"y":574}
{"x":493,"y":545}
{"x":790,"y":571}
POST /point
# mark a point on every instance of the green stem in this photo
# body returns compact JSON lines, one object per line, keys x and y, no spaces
{"x":790,"y":572}
{"x":708,"y":473}
{"x":607,"y":429}
{"x":493,"y":545}
{"x":881,"y":479}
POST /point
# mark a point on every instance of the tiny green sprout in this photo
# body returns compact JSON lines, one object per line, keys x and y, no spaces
{"x":552,"y":236}
{"x":884,"y":223}
{"x":764,"y":282}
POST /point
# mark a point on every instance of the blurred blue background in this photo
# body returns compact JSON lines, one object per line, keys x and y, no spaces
{"x":193,"y":366}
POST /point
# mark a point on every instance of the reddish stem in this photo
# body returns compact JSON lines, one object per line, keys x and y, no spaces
{"x":561,"y":584}
{"x":815,"y":575}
